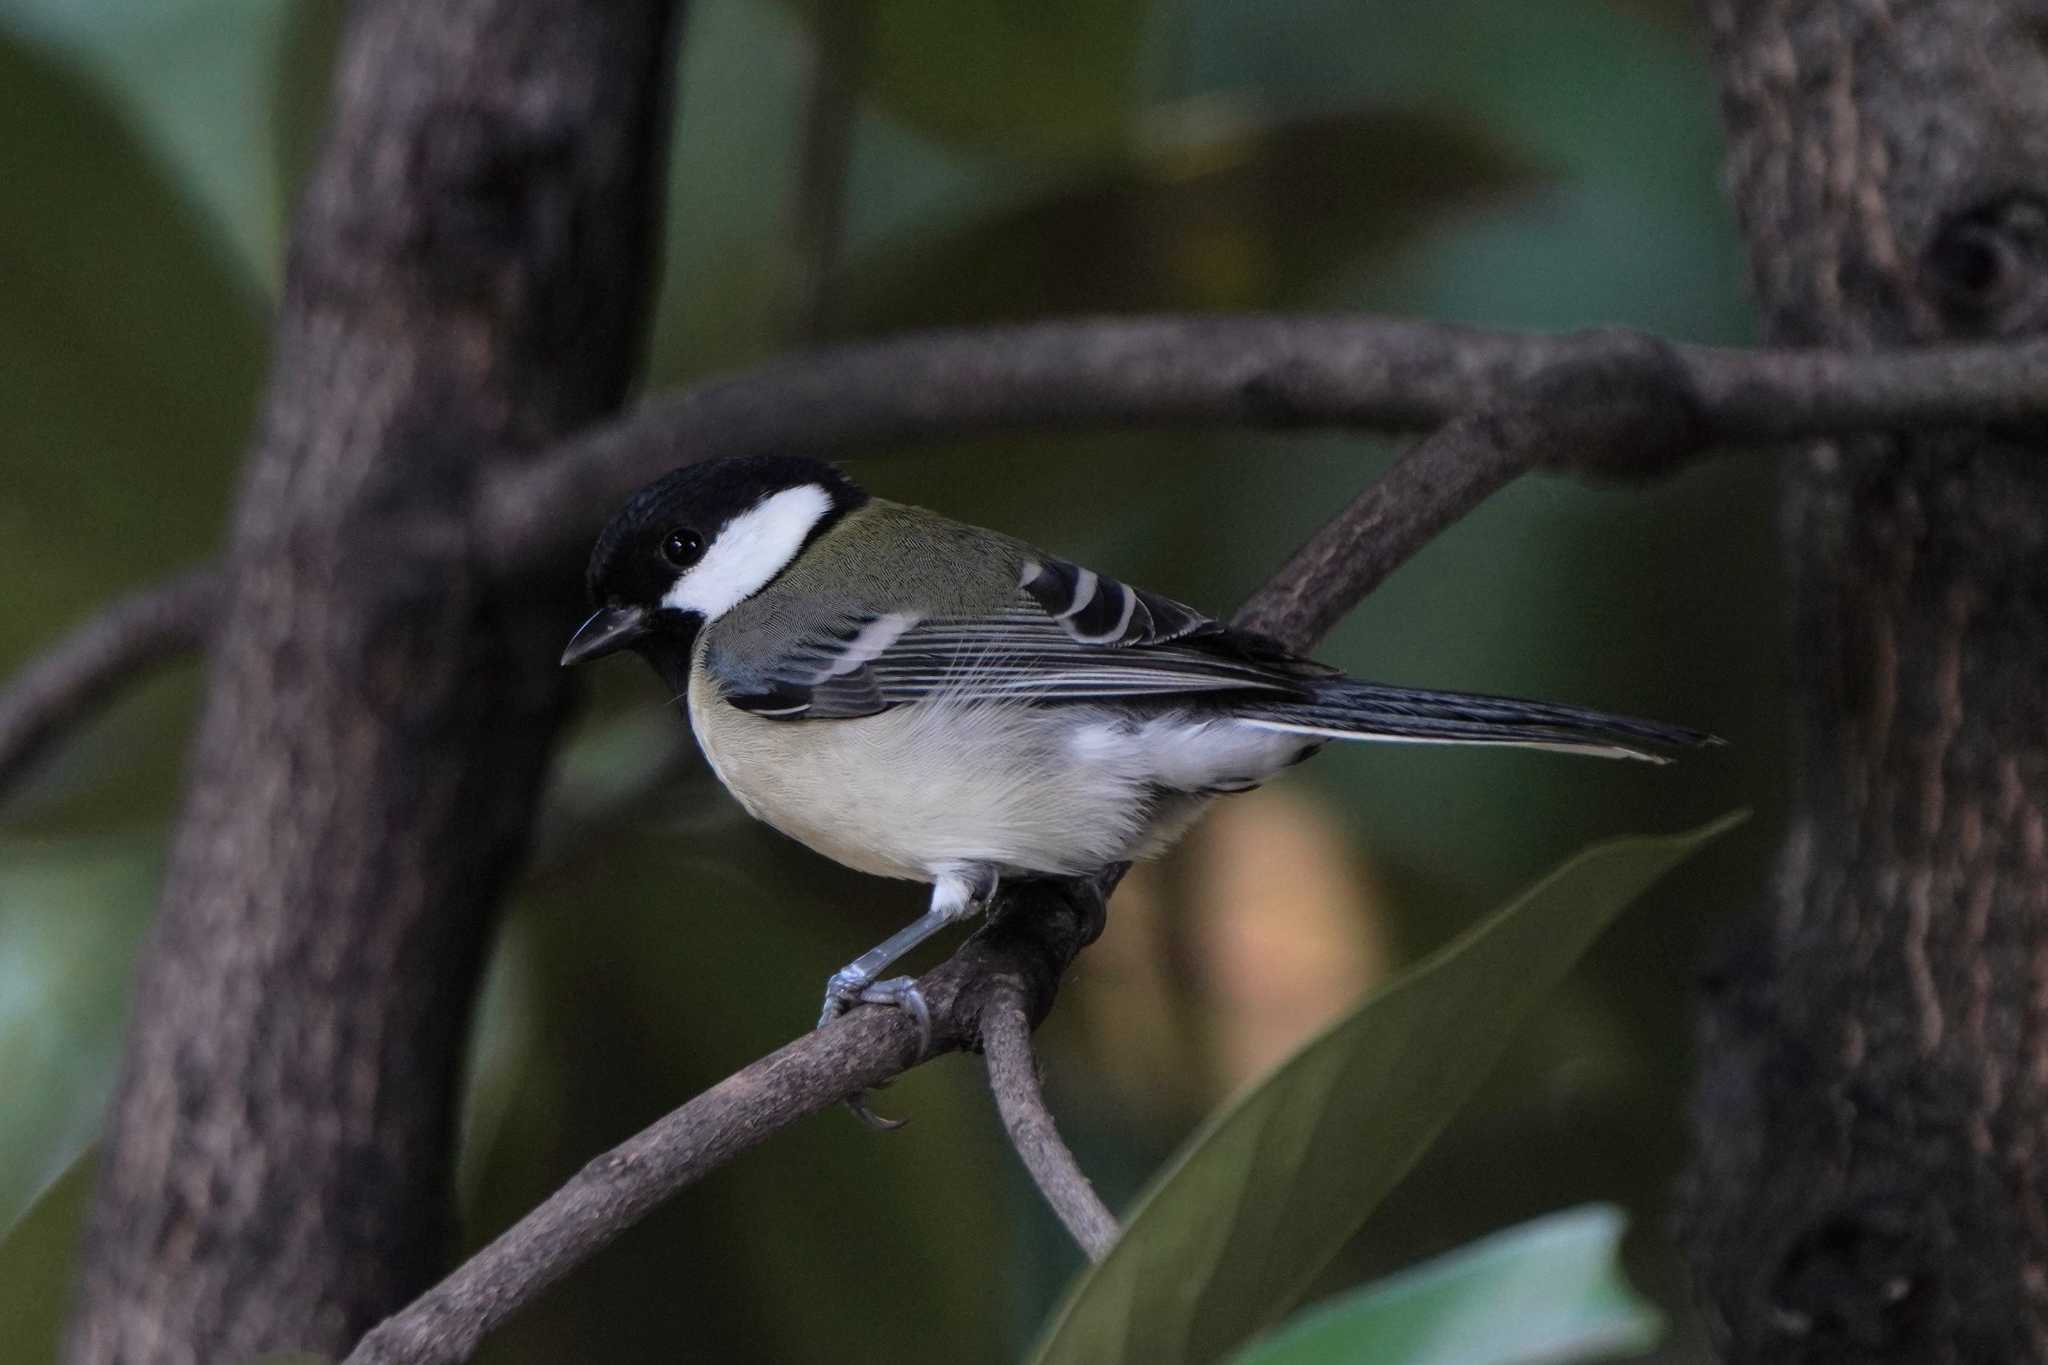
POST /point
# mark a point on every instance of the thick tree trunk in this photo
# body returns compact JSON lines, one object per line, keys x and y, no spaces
{"x":1871,"y":1181}
{"x":467,"y":281}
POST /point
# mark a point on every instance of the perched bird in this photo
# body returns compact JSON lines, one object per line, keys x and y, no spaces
{"x":915,"y":697}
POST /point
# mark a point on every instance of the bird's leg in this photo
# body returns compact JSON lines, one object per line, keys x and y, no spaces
{"x":956,"y":894}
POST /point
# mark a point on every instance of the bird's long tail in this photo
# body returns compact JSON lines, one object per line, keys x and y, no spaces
{"x":1345,"y":708}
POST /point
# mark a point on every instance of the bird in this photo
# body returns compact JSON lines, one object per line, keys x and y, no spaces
{"x":920,"y":698}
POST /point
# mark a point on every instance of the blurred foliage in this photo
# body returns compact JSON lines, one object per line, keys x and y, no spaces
{"x":1543,"y":166}
{"x":36,"y":1257}
{"x":192,"y":79}
{"x":1049,"y":78}
{"x":71,"y":919}
{"x":1225,"y":209}
{"x":1549,"y":1290}
{"x":1270,"y":1188}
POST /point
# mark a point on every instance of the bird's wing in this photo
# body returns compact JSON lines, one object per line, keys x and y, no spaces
{"x":1069,"y":635}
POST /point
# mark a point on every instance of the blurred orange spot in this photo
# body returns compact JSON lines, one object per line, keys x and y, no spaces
{"x":1286,"y":923}
{"x":1216,"y":963}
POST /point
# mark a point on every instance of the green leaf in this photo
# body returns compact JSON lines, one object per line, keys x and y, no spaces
{"x":130,"y":355}
{"x":1261,"y":1198}
{"x":192,"y":78}
{"x":72,"y":915}
{"x":38,"y":1258}
{"x":1041,"y":78}
{"x":1232,"y":209}
{"x":1549,"y":1290}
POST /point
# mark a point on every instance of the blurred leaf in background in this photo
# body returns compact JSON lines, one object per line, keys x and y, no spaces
{"x":130,"y":351}
{"x":72,"y":916}
{"x":1222,"y":207}
{"x":1053,"y":78}
{"x":192,"y":78}
{"x":1548,"y":1291}
{"x":36,"y":1259}
{"x":1541,"y":166}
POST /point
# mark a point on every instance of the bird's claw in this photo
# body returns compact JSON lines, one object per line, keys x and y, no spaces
{"x":847,"y":989}
{"x":857,"y":1104}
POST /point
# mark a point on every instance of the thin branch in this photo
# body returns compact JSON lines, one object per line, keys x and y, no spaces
{"x":1258,"y":372}
{"x":1622,"y":404}
{"x":1013,"y":1078}
{"x":100,"y":658}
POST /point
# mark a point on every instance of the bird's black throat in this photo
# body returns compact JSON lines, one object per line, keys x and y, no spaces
{"x":667,"y":646}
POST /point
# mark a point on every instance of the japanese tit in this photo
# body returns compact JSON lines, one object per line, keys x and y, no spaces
{"x":919,"y":698}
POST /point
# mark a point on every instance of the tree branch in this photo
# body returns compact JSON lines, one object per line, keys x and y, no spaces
{"x":1257,"y":372}
{"x":1037,"y":927}
{"x":1013,"y":1078}
{"x":97,"y":660}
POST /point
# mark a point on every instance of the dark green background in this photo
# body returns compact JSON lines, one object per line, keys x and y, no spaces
{"x":1546,"y":166}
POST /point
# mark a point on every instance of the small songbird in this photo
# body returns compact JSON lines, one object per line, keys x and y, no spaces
{"x":915,"y":697}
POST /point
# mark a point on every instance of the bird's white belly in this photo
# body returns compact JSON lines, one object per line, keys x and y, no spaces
{"x":912,"y":791}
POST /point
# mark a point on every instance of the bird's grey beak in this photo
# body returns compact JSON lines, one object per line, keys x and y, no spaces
{"x":608,"y":630}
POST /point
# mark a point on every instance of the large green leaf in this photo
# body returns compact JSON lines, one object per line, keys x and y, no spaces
{"x":130,"y":353}
{"x":72,"y":915}
{"x":1550,"y":1290}
{"x":193,"y":78}
{"x":1044,"y":77}
{"x":1233,"y":209}
{"x":38,"y":1256}
{"x":229,"y":95}
{"x":1265,"y":1194}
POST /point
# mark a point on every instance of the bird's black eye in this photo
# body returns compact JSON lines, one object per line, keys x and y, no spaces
{"x":682,"y":548}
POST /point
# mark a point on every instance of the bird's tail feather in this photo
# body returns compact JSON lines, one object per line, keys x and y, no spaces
{"x":1345,"y":708}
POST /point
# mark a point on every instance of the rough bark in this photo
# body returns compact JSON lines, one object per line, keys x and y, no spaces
{"x":466,"y":283}
{"x":1871,"y":1180}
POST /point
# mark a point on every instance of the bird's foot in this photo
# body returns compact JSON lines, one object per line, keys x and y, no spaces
{"x":848,"y":988}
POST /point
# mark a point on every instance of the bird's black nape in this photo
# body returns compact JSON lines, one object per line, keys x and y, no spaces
{"x":625,"y":566}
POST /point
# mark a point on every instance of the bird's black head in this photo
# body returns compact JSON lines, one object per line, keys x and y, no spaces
{"x":696,"y":543}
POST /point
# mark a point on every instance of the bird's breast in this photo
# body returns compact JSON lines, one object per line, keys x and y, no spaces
{"x":910,"y":791}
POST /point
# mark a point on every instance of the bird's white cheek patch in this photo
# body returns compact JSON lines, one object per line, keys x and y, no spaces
{"x":755,"y":546}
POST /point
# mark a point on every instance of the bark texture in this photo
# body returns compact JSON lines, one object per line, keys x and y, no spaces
{"x":1871,"y":1181}
{"x":466,"y":283}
